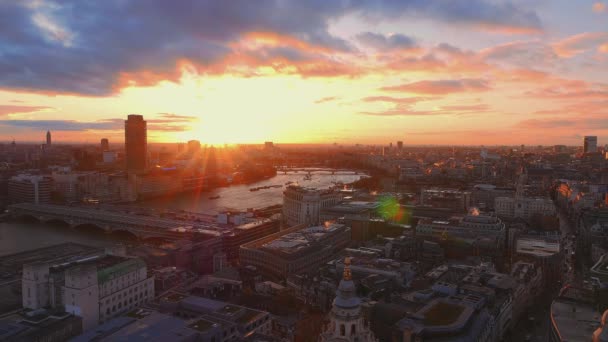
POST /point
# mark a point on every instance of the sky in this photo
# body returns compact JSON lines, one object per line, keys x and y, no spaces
{"x":445,"y":72}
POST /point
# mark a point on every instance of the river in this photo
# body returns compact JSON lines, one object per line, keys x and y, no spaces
{"x":239,"y":197}
{"x":21,"y":236}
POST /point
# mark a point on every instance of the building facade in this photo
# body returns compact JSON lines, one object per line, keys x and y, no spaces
{"x":523,"y":207}
{"x":297,"y":250}
{"x":26,"y":188}
{"x":136,"y":143}
{"x":96,"y":288}
{"x":303,"y":205}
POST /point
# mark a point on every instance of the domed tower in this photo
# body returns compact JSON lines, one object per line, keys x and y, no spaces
{"x":346,"y":323}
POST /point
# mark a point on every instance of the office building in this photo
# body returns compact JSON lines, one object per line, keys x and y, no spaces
{"x":110,"y":157}
{"x":590,"y":144}
{"x":136,"y":143}
{"x":48,"y":138}
{"x":303,"y":205}
{"x":483,"y":196}
{"x":194,"y":146}
{"x":105,"y":145}
{"x":400,"y":145}
{"x":268,"y":145}
{"x":94,"y":288}
{"x":473,"y":229}
{"x":25,"y":188}
{"x":296,"y":250}
{"x":446,"y":198}
{"x":523,"y":207}
{"x":545,"y":252}
{"x":358,"y":215}
{"x":247,"y":232}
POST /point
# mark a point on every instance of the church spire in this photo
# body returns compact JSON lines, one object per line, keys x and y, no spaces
{"x":347,"y":273}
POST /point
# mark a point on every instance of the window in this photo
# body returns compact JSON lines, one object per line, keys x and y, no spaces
{"x":342,"y":330}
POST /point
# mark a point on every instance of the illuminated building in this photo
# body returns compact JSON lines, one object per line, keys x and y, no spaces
{"x":303,"y":205}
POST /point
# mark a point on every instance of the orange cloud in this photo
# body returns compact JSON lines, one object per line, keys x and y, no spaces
{"x":579,"y":43}
{"x":439,"y":87}
{"x":12,"y":109}
{"x":599,"y":7}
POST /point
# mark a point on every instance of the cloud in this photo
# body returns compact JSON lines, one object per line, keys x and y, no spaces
{"x":441,"y":87}
{"x":390,"y":42}
{"x":172,"y":118}
{"x":402,"y":106}
{"x":598,"y":123}
{"x":520,"y":53}
{"x":12,"y":109}
{"x":580,"y":43}
{"x":49,"y":49}
{"x":326,"y":99}
{"x":66,"y":125}
{"x":599,"y":7}
{"x":397,"y":100}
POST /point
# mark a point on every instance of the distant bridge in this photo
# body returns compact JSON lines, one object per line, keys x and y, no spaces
{"x":142,"y":227}
{"x":319,"y":169}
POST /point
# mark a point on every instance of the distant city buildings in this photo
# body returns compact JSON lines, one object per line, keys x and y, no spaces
{"x":136,"y":143}
{"x":105,"y":145}
{"x":590,"y":144}
{"x":194,"y":146}
{"x":26,"y":188}
{"x":48,"y":138}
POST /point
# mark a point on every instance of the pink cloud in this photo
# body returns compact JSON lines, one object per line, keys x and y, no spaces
{"x":579,"y":43}
{"x":599,"y":7}
{"x":13,"y":109}
{"x":439,"y":87}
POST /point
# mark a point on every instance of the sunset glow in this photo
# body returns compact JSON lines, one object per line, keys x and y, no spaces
{"x":294,"y":72}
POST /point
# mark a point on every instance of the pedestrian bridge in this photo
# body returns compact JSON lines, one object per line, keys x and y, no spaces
{"x":142,"y":227}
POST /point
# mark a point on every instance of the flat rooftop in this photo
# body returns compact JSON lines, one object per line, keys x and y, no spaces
{"x":537,"y":246}
{"x":301,"y":239}
{"x":442,"y":313}
{"x":573,"y":316}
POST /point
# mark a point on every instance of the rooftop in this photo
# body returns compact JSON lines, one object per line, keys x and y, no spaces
{"x":573,"y":315}
{"x":540,"y":247}
{"x":442,"y":313}
{"x":202,"y":325}
{"x":301,"y":239}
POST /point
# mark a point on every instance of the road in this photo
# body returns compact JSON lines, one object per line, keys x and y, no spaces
{"x":537,"y":324}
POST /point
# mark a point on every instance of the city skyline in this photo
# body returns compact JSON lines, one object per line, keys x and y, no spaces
{"x":484,"y":72}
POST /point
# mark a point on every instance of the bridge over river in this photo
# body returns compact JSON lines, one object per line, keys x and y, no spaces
{"x":142,"y":227}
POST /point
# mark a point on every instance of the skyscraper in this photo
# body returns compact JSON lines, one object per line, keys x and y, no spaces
{"x":400,"y":145}
{"x":136,"y":143}
{"x":590,"y":144}
{"x":48,"y":138}
{"x":105,"y":144}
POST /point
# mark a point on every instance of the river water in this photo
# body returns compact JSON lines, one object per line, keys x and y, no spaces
{"x":20,"y":236}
